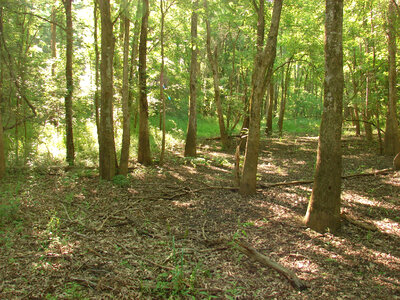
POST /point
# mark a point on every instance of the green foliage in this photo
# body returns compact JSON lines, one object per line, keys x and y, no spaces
{"x":302,"y":126}
{"x":121,"y":180}
{"x":9,"y":203}
{"x":9,"y":211}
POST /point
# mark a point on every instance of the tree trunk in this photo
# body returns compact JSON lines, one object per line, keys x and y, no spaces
{"x":283,"y":100}
{"x":263,"y":69}
{"x":162,"y":98}
{"x":367,"y":111}
{"x":126,"y":105}
{"x":2,"y":152}
{"x":97,"y":73}
{"x":392,"y":139}
{"x":133,"y":69}
{"x":144,"y":153}
{"x":191,"y":136}
{"x":213,"y":61}
{"x":53,"y":39}
{"x":271,"y":97}
{"x":107,"y":155}
{"x":323,"y":211}
{"x":356,"y":119}
{"x":70,"y":85}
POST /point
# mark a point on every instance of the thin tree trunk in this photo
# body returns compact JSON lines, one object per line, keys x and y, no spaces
{"x":2,"y":152}
{"x":70,"y":85}
{"x":356,"y":119}
{"x":367,"y":111}
{"x":107,"y":156}
{"x":282,"y":108}
{"x":53,"y":39}
{"x":213,"y":61}
{"x":392,"y":139}
{"x":271,"y":97}
{"x":126,"y":131}
{"x":144,"y":153}
{"x":263,"y":69}
{"x":323,"y":211}
{"x":133,"y":68}
{"x":377,"y":104}
{"x":191,"y":135}
{"x":97,"y":73}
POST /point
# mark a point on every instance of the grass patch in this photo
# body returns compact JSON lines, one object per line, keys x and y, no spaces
{"x":302,"y":126}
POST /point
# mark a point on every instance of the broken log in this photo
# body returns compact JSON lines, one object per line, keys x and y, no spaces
{"x":248,"y":250}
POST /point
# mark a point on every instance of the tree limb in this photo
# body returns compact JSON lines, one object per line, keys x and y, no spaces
{"x":248,"y":250}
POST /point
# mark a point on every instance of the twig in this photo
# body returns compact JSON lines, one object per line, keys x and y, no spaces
{"x":145,"y":259}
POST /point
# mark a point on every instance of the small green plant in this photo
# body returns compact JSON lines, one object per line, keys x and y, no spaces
{"x":234,"y":292}
{"x":74,"y":290}
{"x":120,"y":180}
{"x":9,"y":211}
{"x":53,"y":225}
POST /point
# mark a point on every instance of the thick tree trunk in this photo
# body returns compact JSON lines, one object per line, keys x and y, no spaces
{"x":144,"y":153}
{"x":392,"y":138}
{"x":126,"y":128}
{"x":107,"y":155}
{"x":191,"y":136}
{"x":213,"y":61}
{"x":263,"y":69}
{"x":70,"y":85}
{"x":323,"y":211}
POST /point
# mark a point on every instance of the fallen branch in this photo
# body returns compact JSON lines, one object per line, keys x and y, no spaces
{"x":248,"y":250}
{"x":358,"y":223}
{"x":263,"y":186}
{"x":300,"y":182}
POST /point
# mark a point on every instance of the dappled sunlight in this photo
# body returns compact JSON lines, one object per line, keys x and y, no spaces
{"x":191,"y":170}
{"x":388,"y":226}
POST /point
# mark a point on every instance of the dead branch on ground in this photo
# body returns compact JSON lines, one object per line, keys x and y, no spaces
{"x":358,"y":223}
{"x":248,"y":250}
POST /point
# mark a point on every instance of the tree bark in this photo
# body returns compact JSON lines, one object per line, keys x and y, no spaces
{"x":191,"y":135}
{"x":70,"y":85}
{"x":263,"y":69}
{"x":392,"y":139}
{"x":323,"y":211}
{"x":144,"y":153}
{"x":126,"y":105}
{"x":107,"y":156}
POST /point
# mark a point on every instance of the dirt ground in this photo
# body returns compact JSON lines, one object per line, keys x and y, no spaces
{"x":166,"y":231}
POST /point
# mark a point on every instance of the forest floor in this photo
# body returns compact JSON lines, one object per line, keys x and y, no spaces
{"x":168,"y":232}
